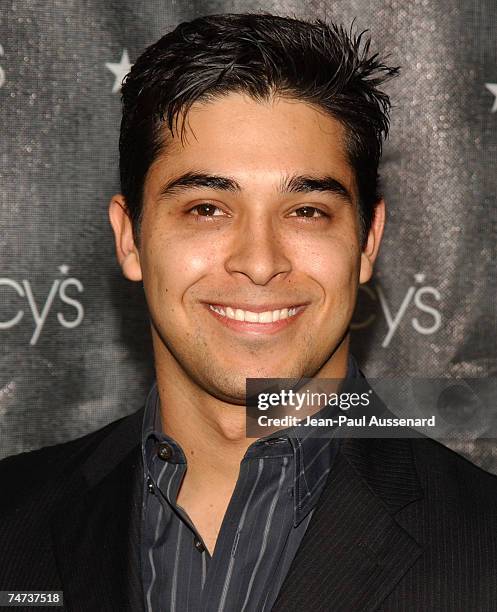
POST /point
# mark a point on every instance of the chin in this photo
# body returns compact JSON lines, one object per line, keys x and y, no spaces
{"x":231,"y":395}
{"x":233,"y":389}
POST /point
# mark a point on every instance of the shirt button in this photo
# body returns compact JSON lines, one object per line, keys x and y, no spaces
{"x":164,"y":451}
{"x":198,"y":545}
{"x":150,"y":486}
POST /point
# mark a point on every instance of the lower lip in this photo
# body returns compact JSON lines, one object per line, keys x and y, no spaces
{"x":257,"y":328}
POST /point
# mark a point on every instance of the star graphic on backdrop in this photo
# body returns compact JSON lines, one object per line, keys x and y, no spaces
{"x":419,"y":278}
{"x":119,"y":70}
{"x":64,"y":269}
{"x":492,"y":87}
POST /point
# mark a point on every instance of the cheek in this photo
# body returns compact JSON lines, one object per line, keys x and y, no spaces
{"x":172,"y":263}
{"x":332,"y":262}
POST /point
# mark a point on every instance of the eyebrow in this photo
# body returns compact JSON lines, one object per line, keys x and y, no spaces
{"x":289,"y":184}
{"x":308,"y":184}
{"x":198,"y":180}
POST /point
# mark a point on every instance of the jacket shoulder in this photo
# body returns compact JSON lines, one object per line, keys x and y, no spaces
{"x":437,"y":458}
{"x":24,"y":473}
{"x":454,"y":480}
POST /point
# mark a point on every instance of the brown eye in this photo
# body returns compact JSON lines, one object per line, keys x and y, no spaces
{"x":205,"y":210}
{"x":308,"y":212}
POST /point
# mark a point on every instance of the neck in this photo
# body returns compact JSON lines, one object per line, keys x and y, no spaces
{"x":212,"y":432}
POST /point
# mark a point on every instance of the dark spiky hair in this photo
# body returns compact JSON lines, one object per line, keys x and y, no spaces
{"x":263,"y":56}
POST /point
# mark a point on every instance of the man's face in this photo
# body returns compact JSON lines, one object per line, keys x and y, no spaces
{"x":264,"y":218}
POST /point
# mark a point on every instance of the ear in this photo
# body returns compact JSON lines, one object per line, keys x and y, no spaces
{"x":370,"y":251}
{"x":126,"y":249}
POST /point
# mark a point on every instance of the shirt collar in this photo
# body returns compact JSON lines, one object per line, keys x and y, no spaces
{"x":153,"y":434}
{"x":313,"y":456}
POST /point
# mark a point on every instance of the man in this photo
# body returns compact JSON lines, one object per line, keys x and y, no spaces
{"x":250,"y":210}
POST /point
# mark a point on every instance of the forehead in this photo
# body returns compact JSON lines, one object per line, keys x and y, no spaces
{"x":256,"y":141}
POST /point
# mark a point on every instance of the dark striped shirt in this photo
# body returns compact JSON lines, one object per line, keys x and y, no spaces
{"x":280,"y":480}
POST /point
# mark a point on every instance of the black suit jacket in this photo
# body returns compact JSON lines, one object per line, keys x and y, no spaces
{"x":402,"y":525}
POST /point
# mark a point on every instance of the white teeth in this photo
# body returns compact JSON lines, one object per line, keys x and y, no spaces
{"x":268,"y":316}
{"x":219,"y":310}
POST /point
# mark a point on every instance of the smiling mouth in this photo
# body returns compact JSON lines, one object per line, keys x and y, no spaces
{"x":249,"y":316}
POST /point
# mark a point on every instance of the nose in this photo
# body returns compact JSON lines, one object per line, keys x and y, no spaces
{"x":257,"y":251}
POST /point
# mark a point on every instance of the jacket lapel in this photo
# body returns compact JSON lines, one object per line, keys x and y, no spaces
{"x":354,"y":552}
{"x":96,"y":534}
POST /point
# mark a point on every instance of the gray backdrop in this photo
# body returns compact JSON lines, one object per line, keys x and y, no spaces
{"x":74,"y":334}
